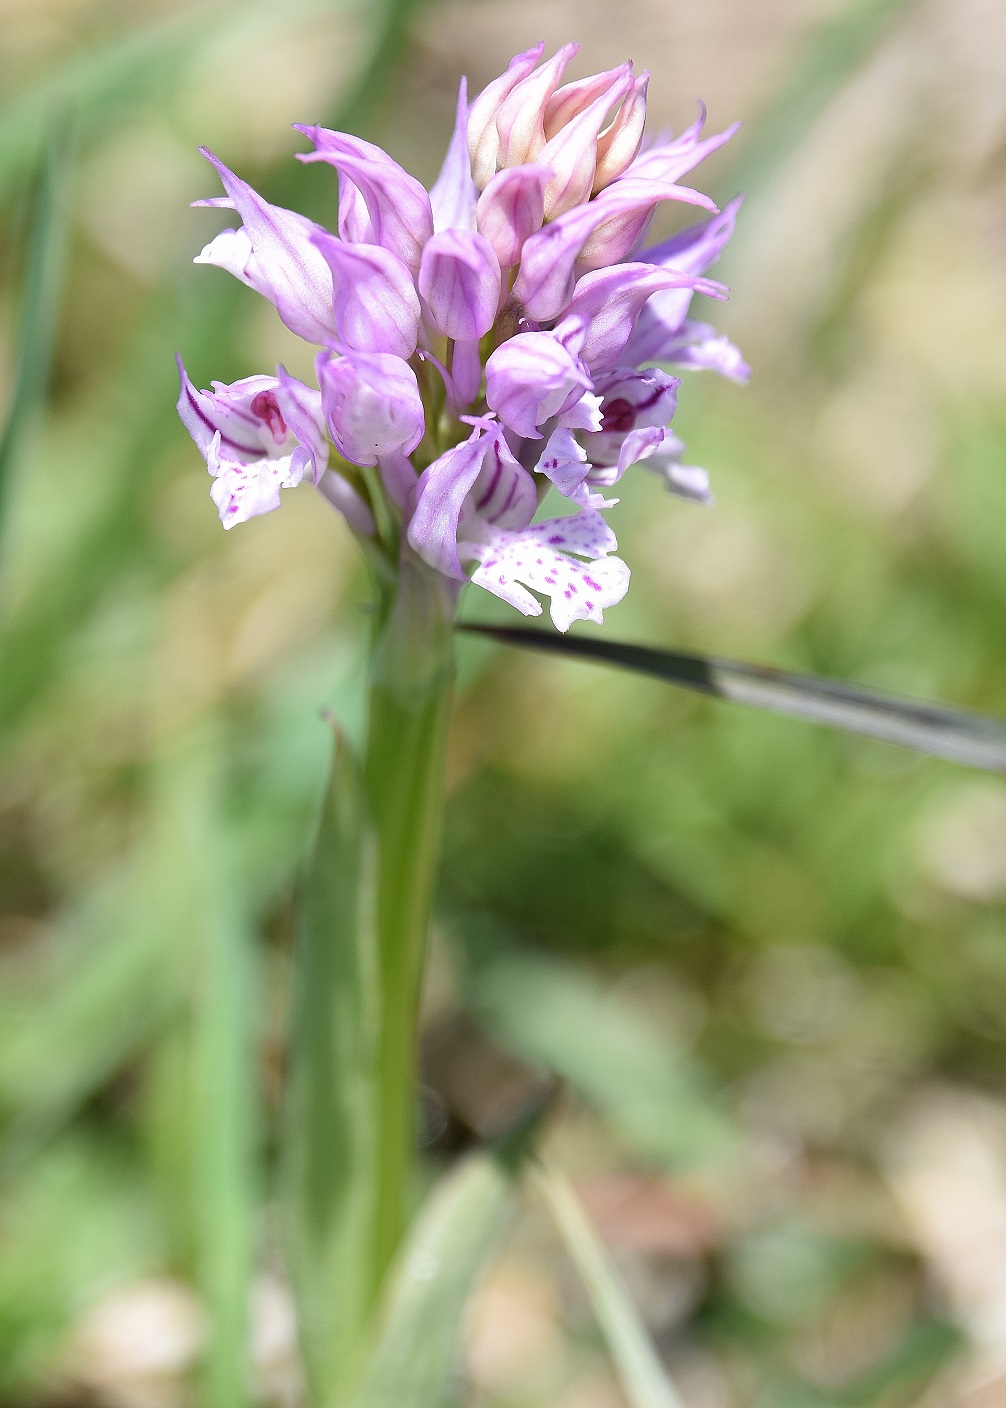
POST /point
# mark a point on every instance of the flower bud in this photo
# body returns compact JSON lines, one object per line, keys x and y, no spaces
{"x":372,"y":405}
{"x":511,"y":209}
{"x":531,"y":378}
{"x":618,"y":145}
{"x":483,"y":139}
{"x":520,"y":121}
{"x":570,"y":100}
{"x":571,"y":155}
{"x":376,"y":304}
{"x":459,"y":280}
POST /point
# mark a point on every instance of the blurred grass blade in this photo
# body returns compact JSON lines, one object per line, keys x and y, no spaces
{"x":642,"y":1375}
{"x":43,"y":296}
{"x":976,"y":740}
{"x":414,"y":1358}
{"x":330,"y":1118}
{"x":553,"y":1012}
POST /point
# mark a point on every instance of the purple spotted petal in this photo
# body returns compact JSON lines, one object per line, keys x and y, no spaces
{"x":275,"y":255}
{"x":372,"y":404}
{"x":376,"y":304}
{"x":511,"y":209}
{"x":531,"y":378}
{"x":401,"y":217}
{"x":243,"y":491}
{"x":563,"y":461}
{"x":453,"y":194}
{"x":545,"y":557}
{"x":459,"y":280}
{"x":607,"y":302}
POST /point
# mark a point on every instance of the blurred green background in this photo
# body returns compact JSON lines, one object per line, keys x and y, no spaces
{"x":768,"y":961}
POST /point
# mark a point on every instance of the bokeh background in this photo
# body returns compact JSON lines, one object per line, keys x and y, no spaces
{"x":767,"y":961}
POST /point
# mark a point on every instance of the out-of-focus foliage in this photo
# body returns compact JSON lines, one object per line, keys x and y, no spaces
{"x":767,"y":961}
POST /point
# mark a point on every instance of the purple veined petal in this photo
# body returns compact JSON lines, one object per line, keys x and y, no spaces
{"x":546,"y":279}
{"x":532,"y":377}
{"x":693,"y":251}
{"x":700,"y":347}
{"x":301,"y":409}
{"x":520,"y":119}
{"x":563,"y":461}
{"x":541,"y":557}
{"x":511,"y":209}
{"x":632,"y":399}
{"x":398,"y":475}
{"x":618,"y":145}
{"x":483,"y":138}
{"x":226,"y":412}
{"x":504,"y":494}
{"x":453,"y":194}
{"x":684,"y":481}
{"x":571,"y":155}
{"x":440,"y":496}
{"x":243,"y":491}
{"x":372,"y":404}
{"x":343,"y":497}
{"x":283,"y":264}
{"x":399,"y":208}
{"x":571,"y":99}
{"x":606,"y":304}
{"x":696,"y":249}
{"x":460,"y":282}
{"x":616,"y":238}
{"x":375,"y":300}
{"x":466,"y":373}
{"x":670,"y":160}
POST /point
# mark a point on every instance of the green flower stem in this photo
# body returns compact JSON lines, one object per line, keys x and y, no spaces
{"x":351,"y":1098}
{"x":410,"y":703}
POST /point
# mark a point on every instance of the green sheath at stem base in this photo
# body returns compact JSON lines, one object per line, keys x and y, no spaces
{"x":351,"y":1103}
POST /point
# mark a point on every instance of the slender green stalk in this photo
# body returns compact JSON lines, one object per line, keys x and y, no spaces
{"x":350,"y":1117}
{"x":410,"y":705}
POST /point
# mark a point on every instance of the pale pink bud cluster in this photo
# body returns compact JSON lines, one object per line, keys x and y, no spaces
{"x":582,"y":135}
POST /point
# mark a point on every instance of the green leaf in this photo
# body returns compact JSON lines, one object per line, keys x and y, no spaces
{"x":414,"y":1360}
{"x":42,"y":299}
{"x":975,"y":740}
{"x":554,"y":1013}
{"x":643,"y":1377}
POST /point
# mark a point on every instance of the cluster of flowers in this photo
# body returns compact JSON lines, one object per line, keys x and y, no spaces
{"x":480,"y":341}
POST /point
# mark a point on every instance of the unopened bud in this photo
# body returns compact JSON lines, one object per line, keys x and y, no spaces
{"x":618,"y":146}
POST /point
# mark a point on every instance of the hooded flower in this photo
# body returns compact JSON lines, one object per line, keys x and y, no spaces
{"x":483,"y":342}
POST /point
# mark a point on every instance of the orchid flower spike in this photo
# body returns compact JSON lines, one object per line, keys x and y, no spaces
{"x":484,"y":341}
